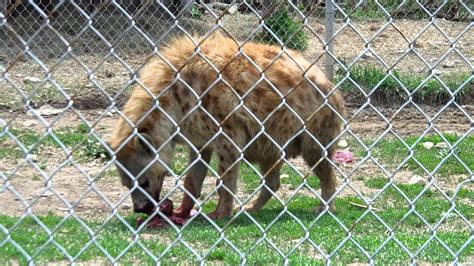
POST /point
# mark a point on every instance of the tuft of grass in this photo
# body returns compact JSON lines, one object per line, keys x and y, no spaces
{"x":288,"y":30}
{"x":76,"y":139}
{"x":376,"y":182}
{"x":394,"y":152}
{"x":195,"y":12}
{"x":410,"y":9}
{"x":294,"y":179}
{"x":390,"y":87}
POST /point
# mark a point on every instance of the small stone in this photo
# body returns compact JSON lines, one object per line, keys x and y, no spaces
{"x":428,"y":145}
{"x":368,"y":56}
{"x":343,"y":143}
{"x":442,"y":145}
{"x":448,"y":64}
{"x":284,"y":176}
{"x":30,"y":123}
{"x":126,"y":206}
{"x":31,"y":80}
{"x":109,"y":74}
{"x":416,"y":179}
{"x":32,"y":157}
{"x":45,"y":110}
{"x":436,"y":72}
{"x":19,"y":75}
{"x":451,"y":132}
{"x":233,"y":9}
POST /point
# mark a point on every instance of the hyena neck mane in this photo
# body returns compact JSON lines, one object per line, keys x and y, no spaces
{"x":149,"y":122}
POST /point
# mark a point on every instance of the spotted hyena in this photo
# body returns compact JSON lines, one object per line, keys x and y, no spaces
{"x":256,"y":102}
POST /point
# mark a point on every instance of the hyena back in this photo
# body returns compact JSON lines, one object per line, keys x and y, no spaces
{"x":259,"y":101}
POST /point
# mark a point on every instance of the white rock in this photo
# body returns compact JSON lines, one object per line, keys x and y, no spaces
{"x":30,"y":123}
{"x":451,"y":132}
{"x":2,"y":123}
{"x":448,"y":64}
{"x":32,"y":157}
{"x":284,"y":176}
{"x":233,"y":9}
{"x":343,"y":143}
{"x":109,"y":114}
{"x":368,"y":56}
{"x":416,"y":179}
{"x":436,"y":72}
{"x":428,"y":145}
{"x":442,"y":145}
{"x":31,"y":80}
{"x":45,"y":110}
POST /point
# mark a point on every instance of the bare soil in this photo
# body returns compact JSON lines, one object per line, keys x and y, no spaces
{"x":54,"y":183}
{"x":81,"y":71}
{"x":91,"y":67}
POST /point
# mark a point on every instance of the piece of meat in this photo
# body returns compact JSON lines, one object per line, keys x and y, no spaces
{"x":166,"y":207}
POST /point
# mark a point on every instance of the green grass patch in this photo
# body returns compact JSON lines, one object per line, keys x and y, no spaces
{"x":376,"y":182}
{"x":74,"y":138}
{"x":389,"y":87}
{"x":286,"y":28}
{"x":371,"y":10}
{"x":394,"y":152}
{"x":286,"y":233}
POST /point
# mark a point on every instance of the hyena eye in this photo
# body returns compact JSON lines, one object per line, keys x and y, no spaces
{"x":145,"y":184}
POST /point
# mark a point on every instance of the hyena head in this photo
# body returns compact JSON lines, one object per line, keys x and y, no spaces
{"x":141,"y":169}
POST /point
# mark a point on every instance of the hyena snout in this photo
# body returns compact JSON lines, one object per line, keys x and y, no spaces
{"x":143,"y":203}
{"x":146,"y":207}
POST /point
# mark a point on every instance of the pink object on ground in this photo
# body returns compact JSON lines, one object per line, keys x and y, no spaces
{"x":344,"y":156}
{"x":192,"y":213}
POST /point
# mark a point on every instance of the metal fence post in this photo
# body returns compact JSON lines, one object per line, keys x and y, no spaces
{"x":329,"y":46}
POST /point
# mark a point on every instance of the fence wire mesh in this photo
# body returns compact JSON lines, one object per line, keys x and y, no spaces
{"x":387,"y":179}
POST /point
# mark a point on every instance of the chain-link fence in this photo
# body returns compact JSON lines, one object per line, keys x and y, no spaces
{"x":110,"y":111}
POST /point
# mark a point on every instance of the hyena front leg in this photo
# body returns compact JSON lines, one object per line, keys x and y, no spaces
{"x":229,"y":173}
{"x":193,"y":181}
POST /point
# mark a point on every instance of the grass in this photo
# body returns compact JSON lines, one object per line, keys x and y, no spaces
{"x":410,"y":9}
{"x":285,"y":233}
{"x":75,"y":138}
{"x":394,"y":152}
{"x":389,"y":88}
{"x":287,"y":29}
{"x":407,"y":208}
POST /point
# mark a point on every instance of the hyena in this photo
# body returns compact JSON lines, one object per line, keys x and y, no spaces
{"x":251,"y":101}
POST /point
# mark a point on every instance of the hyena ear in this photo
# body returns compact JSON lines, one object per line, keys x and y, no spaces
{"x":142,"y":144}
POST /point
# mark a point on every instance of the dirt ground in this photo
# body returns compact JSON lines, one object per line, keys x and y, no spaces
{"x":82,"y":63}
{"x":93,"y":188}
{"x":82,"y":68}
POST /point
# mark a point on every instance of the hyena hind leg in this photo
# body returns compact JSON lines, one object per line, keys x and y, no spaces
{"x":324,"y":171}
{"x":272,"y":182}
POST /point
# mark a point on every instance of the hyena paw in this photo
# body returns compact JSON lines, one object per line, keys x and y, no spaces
{"x":320,"y":208}
{"x":251,"y":208}
{"x":219,"y":215}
